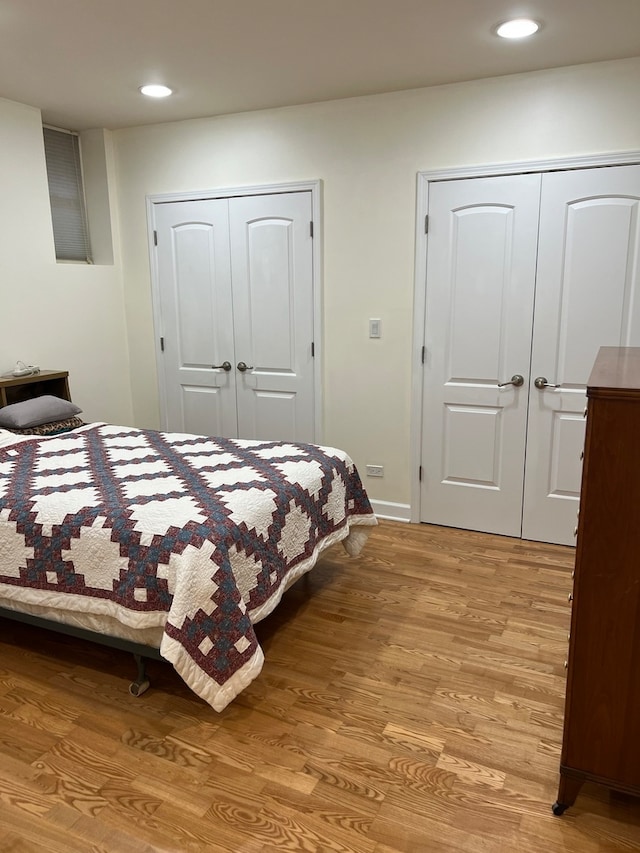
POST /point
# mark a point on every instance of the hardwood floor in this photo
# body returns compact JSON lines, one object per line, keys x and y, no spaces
{"x":411,"y":701}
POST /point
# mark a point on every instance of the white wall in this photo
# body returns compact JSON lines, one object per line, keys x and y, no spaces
{"x":57,"y":316}
{"x":367,"y":152}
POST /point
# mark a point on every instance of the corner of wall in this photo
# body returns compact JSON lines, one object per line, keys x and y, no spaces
{"x":96,"y":189}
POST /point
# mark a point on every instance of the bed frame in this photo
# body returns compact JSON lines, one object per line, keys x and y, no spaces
{"x":140,"y":652}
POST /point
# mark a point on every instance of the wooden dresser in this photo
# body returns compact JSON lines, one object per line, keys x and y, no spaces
{"x":601,"y":741}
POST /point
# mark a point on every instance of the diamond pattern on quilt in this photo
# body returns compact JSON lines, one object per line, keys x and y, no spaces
{"x":295,"y":533}
{"x":142,"y":468}
{"x":14,"y":552}
{"x":152,"y":486}
{"x":54,"y":507}
{"x":77,"y":459}
{"x":242,"y":644}
{"x":195,"y":586}
{"x":306,"y":472}
{"x":246,"y":570}
{"x":209,"y":460}
{"x":60,"y":444}
{"x":159,"y":516}
{"x":230,"y":477}
{"x":94,"y":550}
{"x":189,"y":444}
{"x":206,"y":645}
{"x":279,"y":451}
{"x":334,"y":508}
{"x":4,"y":480}
{"x":255,"y":504}
{"x":131,"y":454}
{"x":55,"y":481}
{"x":126,"y":439}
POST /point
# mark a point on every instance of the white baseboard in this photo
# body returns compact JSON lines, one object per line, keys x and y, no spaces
{"x":391,"y":511}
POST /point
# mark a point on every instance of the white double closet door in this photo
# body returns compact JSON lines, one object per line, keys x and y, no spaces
{"x":235,"y":307}
{"x":527,"y":277}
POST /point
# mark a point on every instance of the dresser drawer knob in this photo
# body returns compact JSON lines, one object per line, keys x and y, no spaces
{"x":566,"y":664}
{"x":570,"y":597}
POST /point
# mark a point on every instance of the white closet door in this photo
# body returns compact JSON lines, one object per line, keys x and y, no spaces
{"x":272,"y":272}
{"x":235,"y":290}
{"x":479,"y":306}
{"x":587,"y":296}
{"x":194,"y":287}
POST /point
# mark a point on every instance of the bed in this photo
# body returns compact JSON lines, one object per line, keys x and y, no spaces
{"x":176,"y":544}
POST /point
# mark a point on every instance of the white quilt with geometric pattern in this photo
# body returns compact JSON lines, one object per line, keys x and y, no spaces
{"x":200,"y":536}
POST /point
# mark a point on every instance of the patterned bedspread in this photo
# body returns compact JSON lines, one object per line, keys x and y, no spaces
{"x":198,"y":535}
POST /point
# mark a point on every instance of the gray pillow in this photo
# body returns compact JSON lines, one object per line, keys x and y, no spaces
{"x":39,"y":410}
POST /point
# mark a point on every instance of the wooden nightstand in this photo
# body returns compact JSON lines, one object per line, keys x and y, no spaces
{"x":15,"y":389}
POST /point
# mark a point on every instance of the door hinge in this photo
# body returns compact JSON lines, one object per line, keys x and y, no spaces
{"x":162,"y":344}
{"x":426,"y":224}
{"x":155,"y":238}
{"x":420,"y":473}
{"x":424,"y":350}
{"x":311,"y":228}
{"x":313,"y":349}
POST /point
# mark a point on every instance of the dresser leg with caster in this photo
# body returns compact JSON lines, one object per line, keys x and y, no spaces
{"x":568,"y":790}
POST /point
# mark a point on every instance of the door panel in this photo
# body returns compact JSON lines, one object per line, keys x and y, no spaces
{"x":194,"y":278}
{"x":473,"y":463}
{"x":194,"y":256}
{"x":272,"y":264}
{"x":478,"y":281}
{"x":480,"y":287}
{"x":565,"y":468}
{"x":277,"y":414}
{"x":587,"y":296}
{"x":200,"y":407}
{"x":269,"y":279}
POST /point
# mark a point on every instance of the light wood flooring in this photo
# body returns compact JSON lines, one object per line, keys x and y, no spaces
{"x":411,"y":701}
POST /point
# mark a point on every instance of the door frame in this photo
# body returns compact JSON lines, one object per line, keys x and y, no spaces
{"x":419,"y":345}
{"x":315,"y":188}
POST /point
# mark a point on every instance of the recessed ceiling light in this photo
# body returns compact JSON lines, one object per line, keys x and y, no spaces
{"x":519,"y":28}
{"x":156,"y":91}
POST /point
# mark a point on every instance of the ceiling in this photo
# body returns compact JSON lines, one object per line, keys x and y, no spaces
{"x":82,"y":61}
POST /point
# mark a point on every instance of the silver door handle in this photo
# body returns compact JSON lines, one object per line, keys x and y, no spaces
{"x":541,"y":382}
{"x":517,"y":380}
{"x":226,"y":365}
{"x":242,"y":366}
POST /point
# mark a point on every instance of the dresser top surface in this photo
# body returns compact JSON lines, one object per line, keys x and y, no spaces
{"x":616,"y":368}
